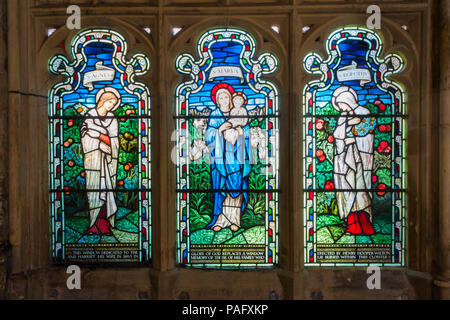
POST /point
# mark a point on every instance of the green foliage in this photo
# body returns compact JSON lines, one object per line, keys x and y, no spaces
{"x":326,"y":203}
{"x":128,"y":200}
{"x":382,"y":206}
{"x":255,"y":235}
{"x":327,"y":110}
{"x":201,"y":204}
{"x":201,"y":208}
{"x":363,"y":239}
{"x":254,"y":213}
{"x":324,"y":166}
{"x":200,"y":176}
{"x":77,"y":111}
{"x":384,"y":120}
{"x":256,"y":180}
{"x":373,"y":108}
{"x":222,"y":236}
{"x":127,"y":169}
{"x":384,"y":176}
{"x":122,"y":110}
{"x":202,"y":236}
{"x":324,"y":220}
{"x":381,"y":161}
{"x":337,"y":231}
{"x":324,"y":236}
{"x":382,"y":136}
{"x":381,"y":238}
{"x":348,"y":239}
{"x":322,"y":178}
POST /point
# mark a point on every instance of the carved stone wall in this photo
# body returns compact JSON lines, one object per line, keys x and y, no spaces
{"x":31,"y":273}
{"x":443,"y":280}
{"x":4,"y":247}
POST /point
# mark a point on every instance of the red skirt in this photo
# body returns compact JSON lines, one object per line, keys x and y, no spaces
{"x":358,"y":223}
{"x":101,"y":226}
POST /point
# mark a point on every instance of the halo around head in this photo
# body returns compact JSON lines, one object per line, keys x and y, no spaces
{"x":220,"y":86}
{"x":345,"y":95}
{"x":241,"y":94}
{"x":114,"y":91}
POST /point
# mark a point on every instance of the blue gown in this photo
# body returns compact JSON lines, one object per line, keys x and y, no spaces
{"x":230,"y":164}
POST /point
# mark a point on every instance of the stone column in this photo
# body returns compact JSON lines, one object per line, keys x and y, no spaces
{"x":443,"y":279}
{"x":3,"y":153}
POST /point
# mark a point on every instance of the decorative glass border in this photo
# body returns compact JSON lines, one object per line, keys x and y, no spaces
{"x":380,"y":70}
{"x":138,"y":65}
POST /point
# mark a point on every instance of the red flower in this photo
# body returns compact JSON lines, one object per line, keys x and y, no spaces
{"x":382,"y":127}
{"x":319,"y":124}
{"x":381,"y":186}
{"x":384,"y":147}
{"x":330,"y":139}
{"x":374,"y":178}
{"x":380,"y":105}
{"x":388,"y":128}
{"x":320,"y":155}
{"x":329,"y":185}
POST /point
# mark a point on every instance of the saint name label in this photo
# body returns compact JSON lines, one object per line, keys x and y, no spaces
{"x":101,"y":73}
{"x":228,"y":71}
{"x":351,"y":72}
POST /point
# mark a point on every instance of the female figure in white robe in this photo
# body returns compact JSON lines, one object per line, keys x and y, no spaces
{"x":353,"y":161}
{"x":100,"y":142}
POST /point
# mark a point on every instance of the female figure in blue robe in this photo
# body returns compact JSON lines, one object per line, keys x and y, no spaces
{"x":230,"y":162}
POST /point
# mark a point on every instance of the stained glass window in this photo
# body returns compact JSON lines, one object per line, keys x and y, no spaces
{"x":99,"y":152}
{"x":354,"y":154}
{"x":227,"y":155}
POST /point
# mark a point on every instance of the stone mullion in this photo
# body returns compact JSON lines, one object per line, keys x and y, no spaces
{"x":428,"y":179}
{"x":162,"y":134}
{"x":4,"y":243}
{"x":443,"y":279}
{"x":291,"y":220}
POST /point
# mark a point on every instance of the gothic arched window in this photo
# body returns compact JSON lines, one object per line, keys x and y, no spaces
{"x":227,"y":154}
{"x":354,"y":154}
{"x":99,"y":153}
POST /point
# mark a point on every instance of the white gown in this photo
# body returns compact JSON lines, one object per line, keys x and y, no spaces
{"x":353,"y":168}
{"x":100,"y":163}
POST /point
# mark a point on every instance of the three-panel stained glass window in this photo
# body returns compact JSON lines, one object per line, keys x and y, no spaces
{"x":226,"y":154}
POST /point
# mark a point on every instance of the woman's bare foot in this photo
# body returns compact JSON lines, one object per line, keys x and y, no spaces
{"x":217,"y":229}
{"x":234,"y":228}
